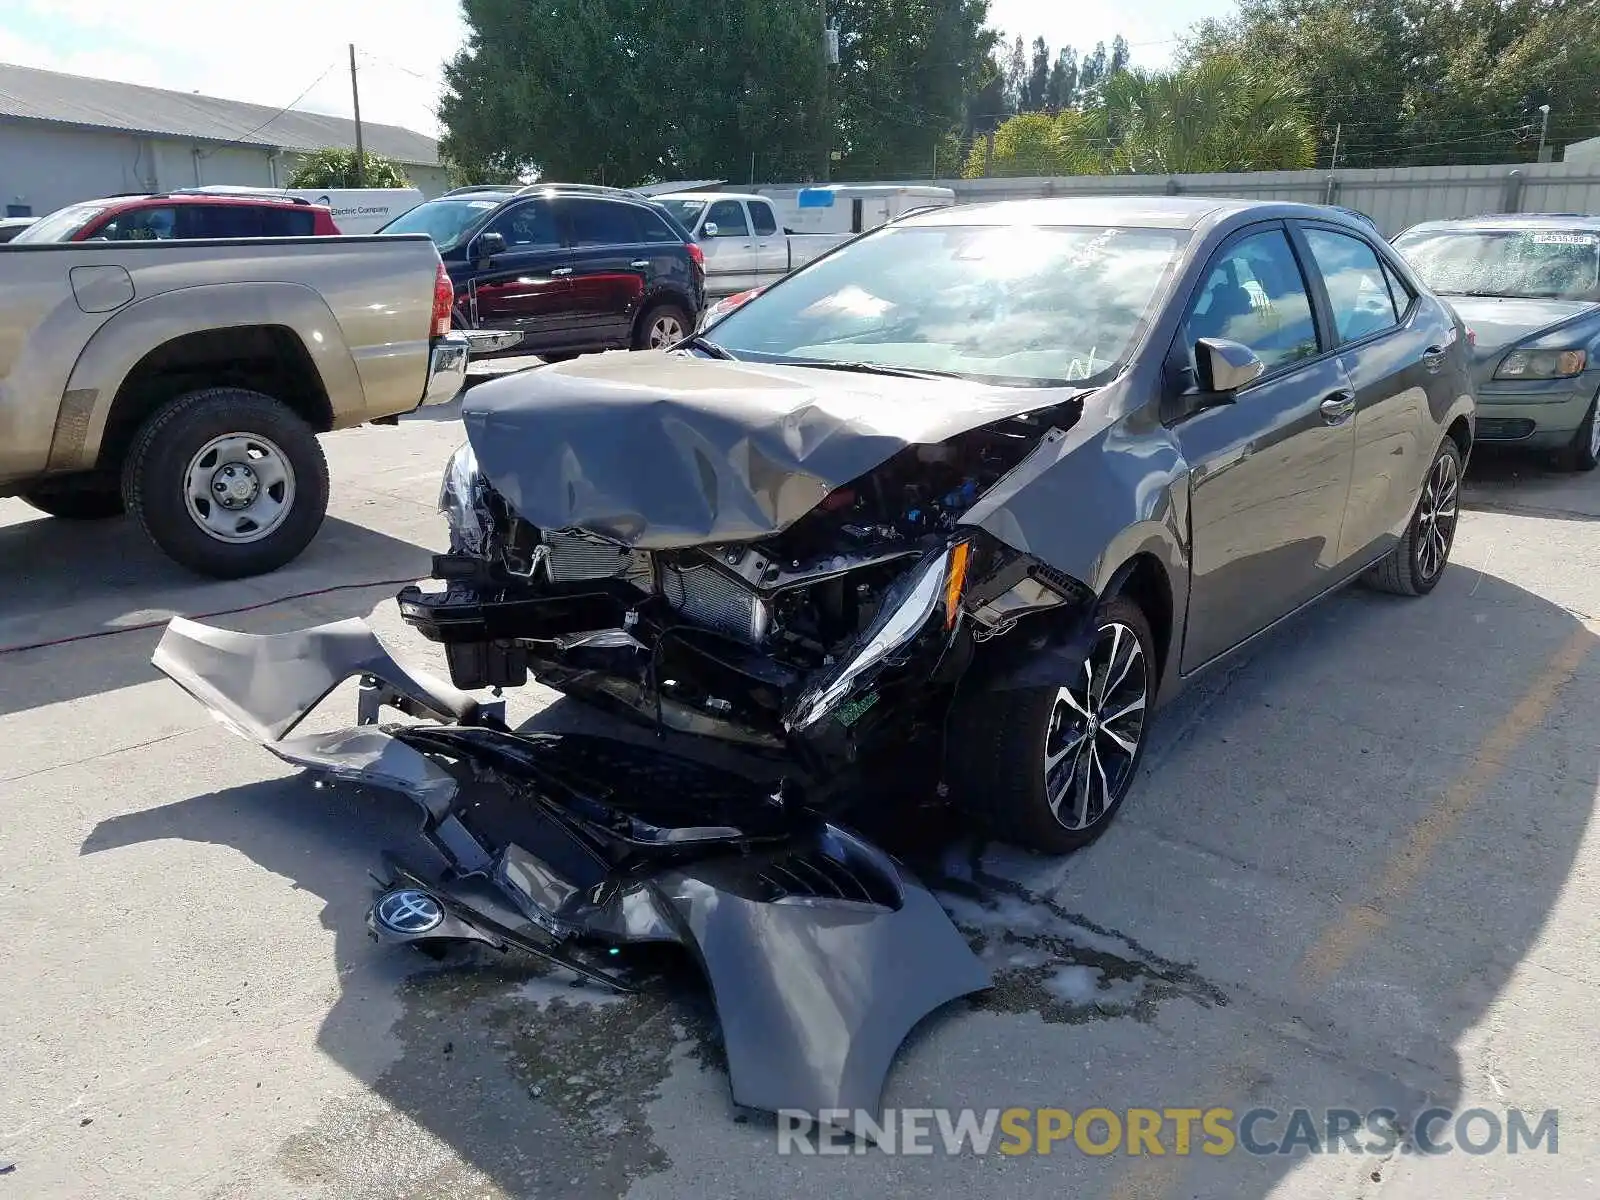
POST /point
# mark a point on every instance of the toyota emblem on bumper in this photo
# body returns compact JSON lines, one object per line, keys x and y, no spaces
{"x":409,"y":911}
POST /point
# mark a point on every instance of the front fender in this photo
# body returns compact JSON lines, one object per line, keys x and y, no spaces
{"x":1091,"y":500}
{"x":120,"y":344}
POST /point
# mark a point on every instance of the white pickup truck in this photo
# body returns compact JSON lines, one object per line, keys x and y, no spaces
{"x":743,"y":243}
{"x":747,"y":245}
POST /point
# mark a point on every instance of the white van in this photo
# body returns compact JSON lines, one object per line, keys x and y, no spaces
{"x":355,"y":210}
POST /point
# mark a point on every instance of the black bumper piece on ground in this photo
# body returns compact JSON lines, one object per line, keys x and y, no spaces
{"x":822,"y":952}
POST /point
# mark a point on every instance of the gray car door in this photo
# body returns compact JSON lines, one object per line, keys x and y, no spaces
{"x":1394,"y":351}
{"x":1270,"y":465}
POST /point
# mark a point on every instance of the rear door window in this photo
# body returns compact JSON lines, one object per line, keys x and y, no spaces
{"x":602,"y":223}
{"x":761,"y":218}
{"x":219,"y":221}
{"x":1357,"y":289}
{"x":288,"y":222}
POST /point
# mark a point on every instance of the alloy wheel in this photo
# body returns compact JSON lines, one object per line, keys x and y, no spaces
{"x":1594,"y":433}
{"x":666,"y":330}
{"x":1436,"y":516}
{"x":1096,"y":725}
{"x":239,"y":488}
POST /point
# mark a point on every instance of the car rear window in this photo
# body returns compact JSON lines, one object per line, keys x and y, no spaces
{"x":761,"y":217}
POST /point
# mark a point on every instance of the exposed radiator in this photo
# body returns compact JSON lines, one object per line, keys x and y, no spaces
{"x":571,"y":557}
{"x":713,"y":600}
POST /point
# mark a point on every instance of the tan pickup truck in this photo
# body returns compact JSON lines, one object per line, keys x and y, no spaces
{"x":185,"y":381}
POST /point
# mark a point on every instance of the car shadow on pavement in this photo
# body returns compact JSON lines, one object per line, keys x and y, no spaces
{"x":84,"y":594}
{"x":1319,"y":742}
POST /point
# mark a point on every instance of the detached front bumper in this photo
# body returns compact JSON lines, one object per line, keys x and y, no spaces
{"x":1543,"y":413}
{"x":822,"y":951}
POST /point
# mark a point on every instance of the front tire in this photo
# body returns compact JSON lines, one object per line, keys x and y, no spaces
{"x":1584,"y":453}
{"x":95,"y":499}
{"x":1050,"y":767}
{"x":227,"y":482}
{"x":1415,"y":566}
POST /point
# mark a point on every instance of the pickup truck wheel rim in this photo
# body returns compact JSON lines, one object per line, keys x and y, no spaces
{"x":1095,"y":728}
{"x":1436,"y":516}
{"x":666,"y":330}
{"x":239,"y":488}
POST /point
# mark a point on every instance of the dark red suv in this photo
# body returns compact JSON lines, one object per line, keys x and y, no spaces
{"x":180,"y":215}
{"x":572,"y":267}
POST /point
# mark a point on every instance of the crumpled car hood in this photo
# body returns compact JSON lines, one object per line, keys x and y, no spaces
{"x":662,"y":449}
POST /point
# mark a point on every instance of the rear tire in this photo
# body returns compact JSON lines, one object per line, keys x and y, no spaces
{"x":94,"y":499}
{"x":1049,"y":768}
{"x":227,"y":482}
{"x":663,"y":325}
{"x":1415,"y":566}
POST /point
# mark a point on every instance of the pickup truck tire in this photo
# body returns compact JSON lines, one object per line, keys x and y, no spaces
{"x":93,"y":499}
{"x":662,"y":325}
{"x":255,"y":453}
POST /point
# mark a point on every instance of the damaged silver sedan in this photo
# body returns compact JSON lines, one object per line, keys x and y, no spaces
{"x":947,"y":513}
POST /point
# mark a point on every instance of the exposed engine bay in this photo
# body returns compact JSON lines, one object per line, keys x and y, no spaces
{"x":731,"y":639}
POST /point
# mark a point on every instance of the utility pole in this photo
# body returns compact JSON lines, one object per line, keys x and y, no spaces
{"x":829,"y":60}
{"x":355,"y":96}
{"x":1544,"y":127}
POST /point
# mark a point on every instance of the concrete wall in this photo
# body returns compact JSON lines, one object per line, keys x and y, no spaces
{"x":1395,"y":198}
{"x":43,"y":167}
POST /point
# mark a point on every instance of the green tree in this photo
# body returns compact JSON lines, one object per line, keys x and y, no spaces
{"x":1222,"y":114}
{"x":336,"y":168}
{"x":906,"y":70}
{"x":628,"y":91}
{"x":1421,"y":82}
{"x":1064,"y":79}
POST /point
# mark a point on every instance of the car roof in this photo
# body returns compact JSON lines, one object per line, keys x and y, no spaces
{"x":1584,"y":221}
{"x":165,"y":198}
{"x":1123,"y":211}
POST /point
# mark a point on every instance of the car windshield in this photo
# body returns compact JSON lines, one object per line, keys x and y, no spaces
{"x":62,"y":224}
{"x":1023,"y":306}
{"x":684,"y":212}
{"x":448,"y":221}
{"x":1545,"y":263}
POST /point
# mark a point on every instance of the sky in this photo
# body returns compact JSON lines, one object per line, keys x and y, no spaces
{"x":294,"y":53}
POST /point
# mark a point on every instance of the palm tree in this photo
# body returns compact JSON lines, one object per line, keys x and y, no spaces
{"x":1219,"y":114}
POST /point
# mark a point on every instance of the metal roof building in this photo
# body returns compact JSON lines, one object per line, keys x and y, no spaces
{"x":66,"y":137}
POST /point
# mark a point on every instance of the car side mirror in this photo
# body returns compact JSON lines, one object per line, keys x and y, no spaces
{"x":708,"y":230}
{"x":490,"y":244}
{"x":1223,"y":367}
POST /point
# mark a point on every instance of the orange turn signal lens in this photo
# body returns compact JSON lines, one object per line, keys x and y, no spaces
{"x":956,"y":582}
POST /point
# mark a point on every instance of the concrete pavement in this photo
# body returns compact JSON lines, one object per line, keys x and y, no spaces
{"x":1360,"y":871}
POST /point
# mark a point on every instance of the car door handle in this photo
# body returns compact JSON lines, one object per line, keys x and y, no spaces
{"x":1337,"y":408}
{"x":561,"y":272}
{"x":639,"y":264}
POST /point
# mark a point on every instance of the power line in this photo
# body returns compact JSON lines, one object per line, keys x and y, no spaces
{"x":244,"y":138}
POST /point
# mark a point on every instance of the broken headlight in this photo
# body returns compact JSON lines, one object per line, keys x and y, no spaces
{"x":461,"y":502}
{"x":932,"y":589}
